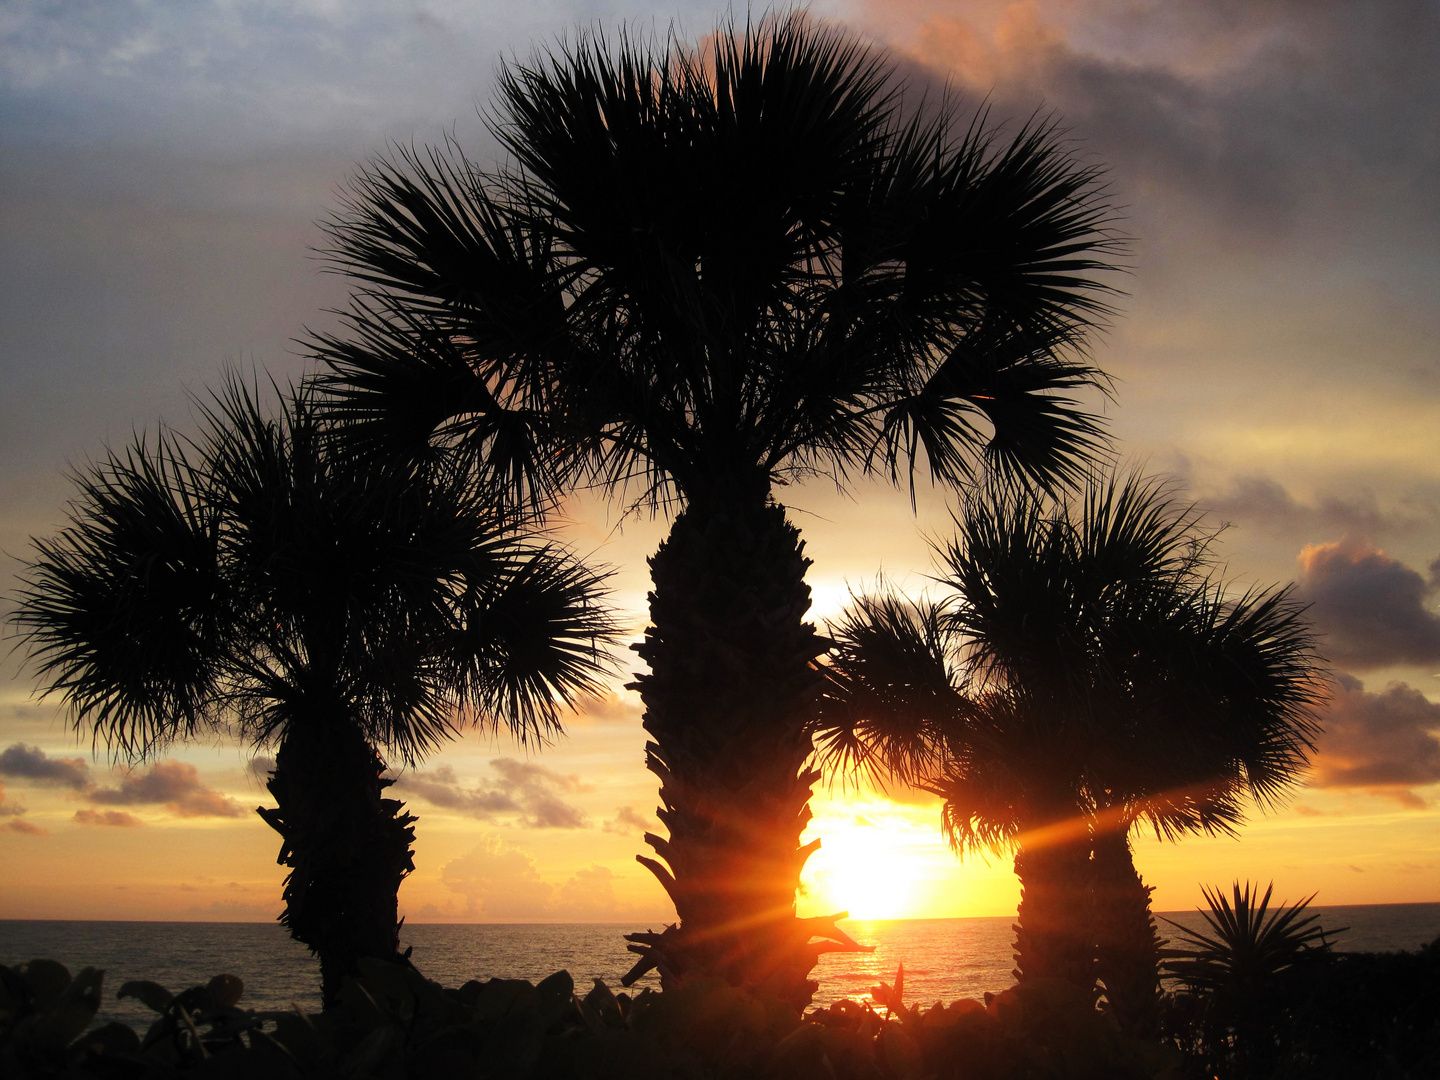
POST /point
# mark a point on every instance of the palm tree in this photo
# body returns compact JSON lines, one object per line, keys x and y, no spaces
{"x":254,"y":582}
{"x":706,"y":272}
{"x":1086,"y":674}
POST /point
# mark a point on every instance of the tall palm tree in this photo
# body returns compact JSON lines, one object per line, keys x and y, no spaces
{"x":254,"y":582}
{"x":1086,"y":673}
{"x":703,"y":273}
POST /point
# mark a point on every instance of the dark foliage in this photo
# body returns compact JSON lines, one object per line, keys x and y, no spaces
{"x":257,"y":583}
{"x":1084,"y":671}
{"x":701,"y":273}
{"x":391,"y":1023}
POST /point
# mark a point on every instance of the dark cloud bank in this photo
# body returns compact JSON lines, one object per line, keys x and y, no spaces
{"x":173,"y":784}
{"x":1387,"y":742}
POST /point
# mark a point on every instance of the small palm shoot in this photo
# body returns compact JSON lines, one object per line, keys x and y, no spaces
{"x":1250,"y":945}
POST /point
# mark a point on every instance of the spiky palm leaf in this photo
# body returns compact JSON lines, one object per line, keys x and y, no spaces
{"x":762,"y":259}
{"x":1248,"y":945}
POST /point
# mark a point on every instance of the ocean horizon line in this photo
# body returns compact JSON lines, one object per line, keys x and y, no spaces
{"x":202,"y":921}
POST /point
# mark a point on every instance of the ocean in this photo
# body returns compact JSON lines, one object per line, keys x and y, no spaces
{"x":944,"y":959}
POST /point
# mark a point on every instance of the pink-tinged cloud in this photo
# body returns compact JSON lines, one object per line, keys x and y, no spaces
{"x":25,"y":828}
{"x":174,"y":784}
{"x":1387,"y":742}
{"x":33,"y":765}
{"x":1266,"y":113}
{"x":8,"y":808}
{"x":627,"y":822}
{"x":529,"y":792}
{"x":498,"y":880}
{"x":114,"y":818}
{"x":1372,"y":609}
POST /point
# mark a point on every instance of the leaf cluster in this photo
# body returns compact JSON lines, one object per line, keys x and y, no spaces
{"x":1086,"y":660}
{"x":759,"y":259}
{"x":257,"y":577}
{"x":392,"y":1023}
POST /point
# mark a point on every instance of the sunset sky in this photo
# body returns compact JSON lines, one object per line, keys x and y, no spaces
{"x":162,"y":165}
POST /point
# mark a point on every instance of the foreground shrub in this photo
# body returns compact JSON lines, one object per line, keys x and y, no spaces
{"x":1325,"y":1016}
{"x":392,"y":1024}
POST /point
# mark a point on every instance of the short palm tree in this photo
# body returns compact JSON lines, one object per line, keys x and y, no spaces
{"x":705,"y":273}
{"x":1085,"y":674}
{"x":253,"y":582}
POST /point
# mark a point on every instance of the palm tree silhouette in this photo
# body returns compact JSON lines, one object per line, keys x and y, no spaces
{"x":1086,"y":673}
{"x":705,"y":273}
{"x":255,"y":582}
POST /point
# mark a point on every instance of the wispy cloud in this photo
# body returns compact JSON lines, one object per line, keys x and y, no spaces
{"x":627,"y":822}
{"x":529,"y":793}
{"x":113,"y":818}
{"x":173,"y":784}
{"x":26,"y":828}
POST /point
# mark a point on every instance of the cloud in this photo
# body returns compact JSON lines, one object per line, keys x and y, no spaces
{"x":1263,"y":502}
{"x":1371,"y":607}
{"x":175,"y":784}
{"x":588,"y":896}
{"x":624,"y":705}
{"x":116,"y":818}
{"x":261,"y":766}
{"x":1262,"y":111}
{"x":1387,"y":742}
{"x":500,"y":881}
{"x":529,"y":792}
{"x":30,"y":763}
{"x":20,"y":825}
{"x":7,"y":808}
{"x":627,"y":822}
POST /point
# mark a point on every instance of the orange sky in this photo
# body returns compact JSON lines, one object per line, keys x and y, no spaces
{"x":1276,"y":354}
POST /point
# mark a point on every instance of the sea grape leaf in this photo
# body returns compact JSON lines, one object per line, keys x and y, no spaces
{"x":47,"y":980}
{"x":66,"y":1019}
{"x":226,"y":990}
{"x":151,"y":994}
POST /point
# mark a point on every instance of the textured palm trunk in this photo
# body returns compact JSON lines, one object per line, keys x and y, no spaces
{"x":728,"y":702}
{"x":1127,"y":945}
{"x":1053,"y":937}
{"x":347,"y":846}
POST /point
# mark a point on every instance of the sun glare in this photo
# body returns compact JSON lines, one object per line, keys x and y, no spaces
{"x":860,"y":869}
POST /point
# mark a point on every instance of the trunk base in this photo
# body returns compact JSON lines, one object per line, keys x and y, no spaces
{"x":348,"y":849}
{"x":729,"y":700}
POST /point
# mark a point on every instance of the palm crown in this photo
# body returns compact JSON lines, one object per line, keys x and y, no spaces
{"x":762,"y":261}
{"x":254,"y":581}
{"x":1088,"y":671}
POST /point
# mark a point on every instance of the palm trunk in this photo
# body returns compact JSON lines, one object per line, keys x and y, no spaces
{"x":728,"y":703}
{"x":347,"y":845}
{"x":1128,"y":947}
{"x":1052,"y":930}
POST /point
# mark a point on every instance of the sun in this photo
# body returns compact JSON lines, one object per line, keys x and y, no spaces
{"x":860,"y":868}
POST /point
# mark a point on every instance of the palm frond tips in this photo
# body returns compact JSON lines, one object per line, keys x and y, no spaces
{"x":258,"y":578}
{"x":1248,"y":945}
{"x":891,"y":690}
{"x":1091,"y":665}
{"x":756,"y":257}
{"x":124,"y":612}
